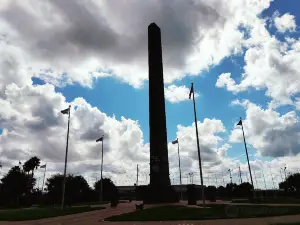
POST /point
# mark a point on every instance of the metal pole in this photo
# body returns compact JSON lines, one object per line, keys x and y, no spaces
{"x":179,"y":170}
{"x":255,"y":179}
{"x":198,"y":147}
{"x":101,"y":177}
{"x":137,"y":174}
{"x":66,"y":161}
{"x":281,"y":174}
{"x":272,"y":179}
{"x":230,"y":176}
{"x":265,"y":183}
{"x":285,"y":173}
{"x":247,"y":177}
{"x":248,"y":159}
{"x":44,"y":179}
{"x":240,"y":174}
{"x":264,"y":180}
{"x":223,"y":178}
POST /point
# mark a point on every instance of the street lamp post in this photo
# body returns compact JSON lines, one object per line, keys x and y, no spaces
{"x":177,"y":142}
{"x":240,"y":175}
{"x":65,"y":111}
{"x":284,"y":172}
{"x":198,"y":145}
{"x":229,"y":170}
{"x":281,"y":174}
{"x":223,"y":179}
{"x":272,"y":179}
{"x":101,"y":181}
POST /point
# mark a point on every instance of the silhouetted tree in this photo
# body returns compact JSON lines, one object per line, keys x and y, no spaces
{"x":108,"y":189}
{"x":16,"y":184}
{"x":32,"y":164}
{"x":231,"y":189}
{"x":77,"y":190}
{"x":292,"y":183}
{"x":244,"y":189}
{"x":211,"y":192}
{"x":221,"y":192}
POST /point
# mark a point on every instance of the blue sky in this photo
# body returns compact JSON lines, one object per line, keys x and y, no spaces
{"x":120,"y":99}
{"x":243,"y":54}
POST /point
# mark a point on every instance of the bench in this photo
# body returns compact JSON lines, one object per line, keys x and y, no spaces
{"x":139,"y":206}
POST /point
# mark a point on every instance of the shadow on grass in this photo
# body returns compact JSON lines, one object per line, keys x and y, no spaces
{"x":215,"y":211}
{"x":40,"y":213}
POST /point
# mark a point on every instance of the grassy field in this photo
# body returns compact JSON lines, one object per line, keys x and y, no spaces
{"x":39,"y":213}
{"x":171,"y":213}
{"x":269,"y":200}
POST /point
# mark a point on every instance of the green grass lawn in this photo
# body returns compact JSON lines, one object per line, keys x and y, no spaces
{"x":39,"y":213}
{"x":269,"y":200}
{"x":171,"y":213}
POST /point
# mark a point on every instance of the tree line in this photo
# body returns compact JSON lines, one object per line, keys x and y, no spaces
{"x":17,"y":188}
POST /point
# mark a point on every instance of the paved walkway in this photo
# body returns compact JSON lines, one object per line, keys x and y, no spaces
{"x":96,"y":218}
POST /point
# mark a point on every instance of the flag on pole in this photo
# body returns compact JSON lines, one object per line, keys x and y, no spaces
{"x":239,"y":123}
{"x":100,"y":139}
{"x":175,"y":142}
{"x":65,"y":111}
{"x":43,"y":166}
{"x":191,"y":91}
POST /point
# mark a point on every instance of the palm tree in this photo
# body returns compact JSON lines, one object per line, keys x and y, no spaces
{"x":27,"y":167}
{"x":32,"y":164}
{"x":35,"y":164}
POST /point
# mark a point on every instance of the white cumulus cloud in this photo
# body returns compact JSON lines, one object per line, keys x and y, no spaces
{"x":285,"y":23}
{"x":175,"y":94}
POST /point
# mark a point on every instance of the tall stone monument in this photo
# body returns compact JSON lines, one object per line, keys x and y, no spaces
{"x":160,"y":189}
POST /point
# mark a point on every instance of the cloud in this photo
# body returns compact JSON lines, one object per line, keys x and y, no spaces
{"x":33,"y":125}
{"x":272,"y":66}
{"x":270,"y":133}
{"x":285,"y":23}
{"x":212,"y":148}
{"x":63,"y":42}
{"x":175,"y":94}
{"x":224,"y":80}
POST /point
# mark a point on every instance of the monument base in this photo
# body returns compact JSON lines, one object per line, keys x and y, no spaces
{"x":154,"y":194}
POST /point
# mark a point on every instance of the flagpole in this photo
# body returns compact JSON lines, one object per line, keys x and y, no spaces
{"x":66,"y":161}
{"x":179,"y":169}
{"x":101,"y":183}
{"x":198,"y":145}
{"x":44,"y":179}
{"x":248,"y":158}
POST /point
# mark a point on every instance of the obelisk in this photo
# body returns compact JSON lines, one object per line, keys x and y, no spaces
{"x":159,"y":162}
